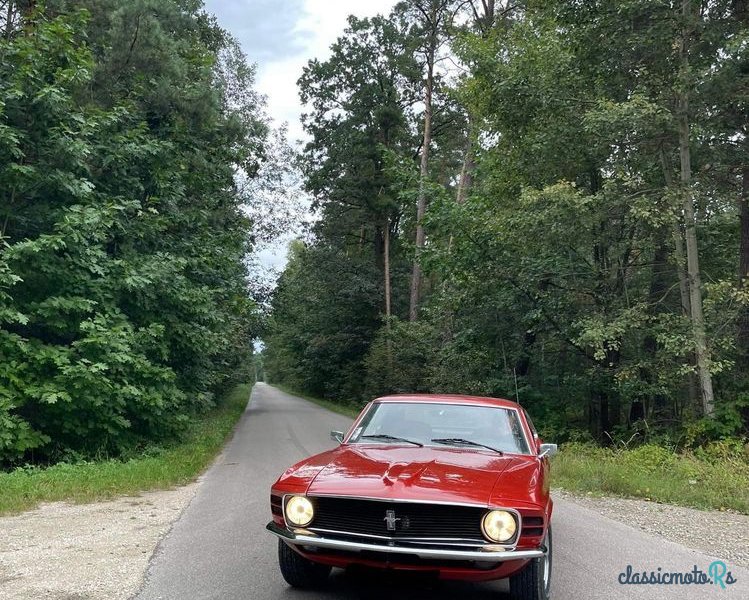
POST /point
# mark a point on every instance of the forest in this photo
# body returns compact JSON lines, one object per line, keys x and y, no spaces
{"x":131,"y":140}
{"x":543,"y":200}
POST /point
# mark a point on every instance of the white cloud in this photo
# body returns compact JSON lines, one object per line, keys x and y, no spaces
{"x":319,"y":25}
{"x":327,"y":19}
{"x":277,"y":81}
{"x":281,"y":42}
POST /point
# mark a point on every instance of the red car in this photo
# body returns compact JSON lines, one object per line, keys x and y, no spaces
{"x":457,"y":485}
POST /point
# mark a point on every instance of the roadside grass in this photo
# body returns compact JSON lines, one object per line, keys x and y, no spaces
{"x":348,"y":410}
{"x":170,"y":466}
{"x":716,"y":480}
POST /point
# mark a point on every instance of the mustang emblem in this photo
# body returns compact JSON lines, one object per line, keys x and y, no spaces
{"x":390,"y":519}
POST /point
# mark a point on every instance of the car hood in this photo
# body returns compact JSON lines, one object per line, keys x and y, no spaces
{"x":419,"y":474}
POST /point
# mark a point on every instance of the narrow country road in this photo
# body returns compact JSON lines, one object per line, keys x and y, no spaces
{"x":219,"y":548}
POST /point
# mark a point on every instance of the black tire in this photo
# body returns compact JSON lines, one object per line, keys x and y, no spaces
{"x":298,"y":571}
{"x":534,"y":581}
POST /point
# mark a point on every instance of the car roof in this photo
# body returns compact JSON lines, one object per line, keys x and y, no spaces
{"x":449,"y":399}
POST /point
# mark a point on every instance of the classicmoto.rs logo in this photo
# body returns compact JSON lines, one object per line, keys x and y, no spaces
{"x":717,"y":574}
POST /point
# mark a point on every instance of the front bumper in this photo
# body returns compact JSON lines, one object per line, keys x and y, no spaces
{"x":307,"y":538}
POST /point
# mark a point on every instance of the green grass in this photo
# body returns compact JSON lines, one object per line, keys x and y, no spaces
{"x":348,"y":410}
{"x":171,"y":466}
{"x":715,"y":480}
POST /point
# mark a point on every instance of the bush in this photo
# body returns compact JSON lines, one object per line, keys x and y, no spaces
{"x":727,"y":450}
{"x":399,"y":357}
{"x":648,"y":458}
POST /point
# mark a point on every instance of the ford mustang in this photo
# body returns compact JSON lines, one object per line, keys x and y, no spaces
{"x":455,"y":485}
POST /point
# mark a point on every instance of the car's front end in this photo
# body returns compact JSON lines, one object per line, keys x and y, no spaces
{"x":455,"y":541}
{"x":455,"y":486}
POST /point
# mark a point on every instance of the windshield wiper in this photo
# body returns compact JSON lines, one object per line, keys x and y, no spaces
{"x":392,"y":438}
{"x":464,"y":442}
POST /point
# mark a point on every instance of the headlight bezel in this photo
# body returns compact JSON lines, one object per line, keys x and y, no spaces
{"x":298,"y":498}
{"x":514,"y":519}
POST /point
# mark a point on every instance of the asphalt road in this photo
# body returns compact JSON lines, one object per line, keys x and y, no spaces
{"x":219,"y":547}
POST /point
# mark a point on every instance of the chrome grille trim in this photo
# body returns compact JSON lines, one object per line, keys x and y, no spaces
{"x":479,"y":540}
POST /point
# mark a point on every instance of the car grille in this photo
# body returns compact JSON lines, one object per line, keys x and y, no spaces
{"x":415,"y":520}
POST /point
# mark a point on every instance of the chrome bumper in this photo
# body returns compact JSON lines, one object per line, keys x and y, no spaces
{"x":310,"y":539}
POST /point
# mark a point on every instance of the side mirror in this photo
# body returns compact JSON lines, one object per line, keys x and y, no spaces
{"x":337,"y":436}
{"x":548,"y":450}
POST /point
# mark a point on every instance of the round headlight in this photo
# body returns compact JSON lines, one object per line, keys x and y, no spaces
{"x":499,"y":526}
{"x":299,"y":511}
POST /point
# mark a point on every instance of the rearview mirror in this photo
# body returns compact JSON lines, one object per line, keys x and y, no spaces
{"x":548,"y":450}
{"x":337,"y":436}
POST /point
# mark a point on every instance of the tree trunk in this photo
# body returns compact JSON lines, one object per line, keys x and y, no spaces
{"x":421,"y":207}
{"x":386,"y":269}
{"x":523,"y":362}
{"x":25,"y":12}
{"x":469,"y":164}
{"x":659,"y":284}
{"x":681,"y":261}
{"x":9,"y":19}
{"x":388,"y":311}
{"x":743,"y":325}
{"x":678,"y":240}
{"x":484,"y":22}
{"x":602,"y":414}
{"x":613,"y":404}
{"x":681,"y":273}
{"x":702,"y":352}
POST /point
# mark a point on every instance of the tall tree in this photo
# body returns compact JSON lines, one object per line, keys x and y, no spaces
{"x":361,"y":101}
{"x":431,"y":19}
{"x":743,"y":327}
{"x":730,"y":84}
{"x":702,"y":352}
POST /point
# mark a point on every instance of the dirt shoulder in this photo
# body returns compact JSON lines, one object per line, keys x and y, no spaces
{"x":717,"y":533}
{"x":96,"y":551}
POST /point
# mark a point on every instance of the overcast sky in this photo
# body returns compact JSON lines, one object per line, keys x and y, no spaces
{"x":280,"y":36}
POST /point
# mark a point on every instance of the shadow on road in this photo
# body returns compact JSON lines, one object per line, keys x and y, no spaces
{"x":360,"y":584}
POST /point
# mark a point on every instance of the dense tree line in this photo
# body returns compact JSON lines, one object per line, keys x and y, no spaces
{"x":542,"y":200}
{"x":125,"y":127}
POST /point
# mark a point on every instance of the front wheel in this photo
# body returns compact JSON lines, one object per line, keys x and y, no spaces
{"x":534,"y":581}
{"x":298,"y":571}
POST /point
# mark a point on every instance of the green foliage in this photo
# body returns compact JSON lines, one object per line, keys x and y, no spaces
{"x":722,"y":451}
{"x":554,"y":262}
{"x":399,"y":358}
{"x":155,"y":467}
{"x":124,"y":300}
{"x":325,"y":312}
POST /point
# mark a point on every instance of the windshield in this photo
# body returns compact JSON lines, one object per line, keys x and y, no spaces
{"x":483,"y":428}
